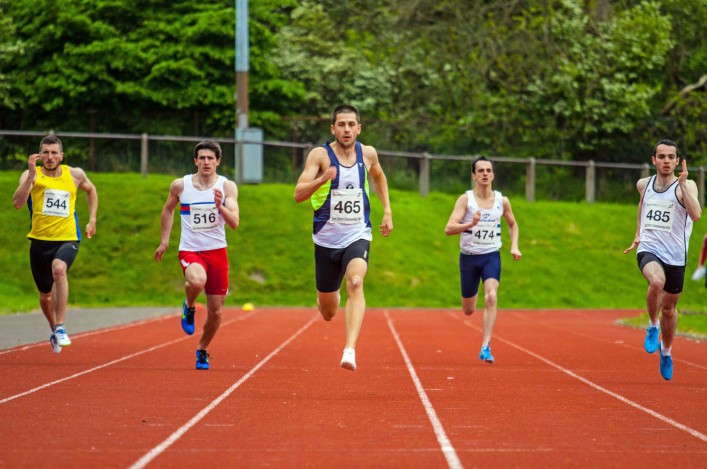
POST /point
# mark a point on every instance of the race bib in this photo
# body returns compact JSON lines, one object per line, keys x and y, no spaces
{"x":485,"y":233}
{"x":204,"y":217}
{"x":346,"y":206}
{"x":56,"y":203}
{"x":658,"y":215}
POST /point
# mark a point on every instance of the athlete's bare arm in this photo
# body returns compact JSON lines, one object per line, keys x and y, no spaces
{"x":167,"y":217}
{"x":370,"y":158}
{"x":454,"y":224}
{"x":641,"y":187}
{"x":229,"y":207}
{"x":512,"y":228}
{"x":84,"y":183}
{"x":317,"y":171}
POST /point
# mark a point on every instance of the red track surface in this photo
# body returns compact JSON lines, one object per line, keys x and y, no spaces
{"x":569,"y":388}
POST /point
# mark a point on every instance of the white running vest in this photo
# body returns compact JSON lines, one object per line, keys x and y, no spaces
{"x":485,"y":237}
{"x":344,"y":228}
{"x":203,"y":226}
{"x":665,"y":225}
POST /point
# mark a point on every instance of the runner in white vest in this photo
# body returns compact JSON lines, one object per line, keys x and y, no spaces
{"x":207,"y":203}
{"x":667,"y":207}
{"x":335,"y":178}
{"x":477,"y":216}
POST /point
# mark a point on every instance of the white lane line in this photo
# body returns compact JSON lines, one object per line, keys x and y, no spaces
{"x":159,"y":449}
{"x":447,"y":449}
{"x":548,"y":325}
{"x":621,"y":398}
{"x":118,"y":360}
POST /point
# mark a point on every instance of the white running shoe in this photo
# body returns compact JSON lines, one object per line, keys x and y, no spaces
{"x":62,"y":338}
{"x":699,"y":273}
{"x":348,"y":360}
{"x":56,"y":348}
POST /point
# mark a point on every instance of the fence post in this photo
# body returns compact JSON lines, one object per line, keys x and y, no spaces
{"x":425,"y":174}
{"x":646,"y":171}
{"x":299,"y":158}
{"x":590,"y":180}
{"x":143,"y":155}
{"x":701,"y":185}
{"x":530,"y":180}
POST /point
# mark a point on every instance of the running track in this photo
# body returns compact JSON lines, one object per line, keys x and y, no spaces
{"x":569,"y":388}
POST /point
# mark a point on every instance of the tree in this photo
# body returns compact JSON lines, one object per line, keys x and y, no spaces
{"x":132,"y":60}
{"x":9,"y":49}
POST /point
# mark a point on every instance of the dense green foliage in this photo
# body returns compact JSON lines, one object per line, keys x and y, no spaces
{"x":564,"y":79}
{"x":572,"y":253}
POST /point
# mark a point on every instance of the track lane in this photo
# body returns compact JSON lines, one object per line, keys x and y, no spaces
{"x":112,"y":416}
{"x":302,"y":410}
{"x":520,"y":411}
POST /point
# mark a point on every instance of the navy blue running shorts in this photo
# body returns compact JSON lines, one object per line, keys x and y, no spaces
{"x":473,"y":268}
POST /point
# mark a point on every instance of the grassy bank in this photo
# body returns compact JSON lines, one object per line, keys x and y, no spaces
{"x":572,"y":253}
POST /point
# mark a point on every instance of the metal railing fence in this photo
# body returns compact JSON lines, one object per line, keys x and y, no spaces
{"x":425,"y":172}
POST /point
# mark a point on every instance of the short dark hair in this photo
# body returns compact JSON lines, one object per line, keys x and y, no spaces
{"x":481,"y":158}
{"x":208,"y":145}
{"x":344,"y":109}
{"x":51,"y":140}
{"x":665,"y":141}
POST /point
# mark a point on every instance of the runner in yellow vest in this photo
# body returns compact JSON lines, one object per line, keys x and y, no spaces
{"x":50,"y":194}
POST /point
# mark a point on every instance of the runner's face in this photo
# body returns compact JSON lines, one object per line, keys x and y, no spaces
{"x":665,"y":159}
{"x":346,"y":129}
{"x":51,"y":156}
{"x":206,"y":162}
{"x":484,"y":174}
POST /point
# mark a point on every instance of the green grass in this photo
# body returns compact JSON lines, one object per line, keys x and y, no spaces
{"x":689,"y":324}
{"x":572,"y":253}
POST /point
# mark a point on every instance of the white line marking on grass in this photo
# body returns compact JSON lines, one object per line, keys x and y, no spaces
{"x":118,"y":360}
{"x":159,"y":449}
{"x":621,"y":398}
{"x":548,"y":325}
{"x":447,"y":449}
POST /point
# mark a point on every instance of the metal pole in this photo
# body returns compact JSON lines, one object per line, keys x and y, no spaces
{"x":144,"y":148}
{"x":242,"y":66}
{"x":590,"y":187}
{"x":242,"y":63}
{"x":425,"y":174}
{"x":530,"y":180}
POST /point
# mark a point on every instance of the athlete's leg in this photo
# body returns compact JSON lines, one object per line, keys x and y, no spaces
{"x":654,"y":274}
{"x":195,"y":279}
{"x":469,"y":276}
{"x":490,"y":302}
{"x":356,"y":302}
{"x":47,"y":305}
{"x":469,"y":304}
{"x":214,"y":310}
{"x":60,"y":290}
{"x":328,"y":304}
{"x":669,"y":318}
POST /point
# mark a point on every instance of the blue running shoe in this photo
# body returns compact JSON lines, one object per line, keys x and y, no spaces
{"x":666,"y":365}
{"x":651,"y":342}
{"x":188,"y":318}
{"x":485,"y":354}
{"x":202,"y":360}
